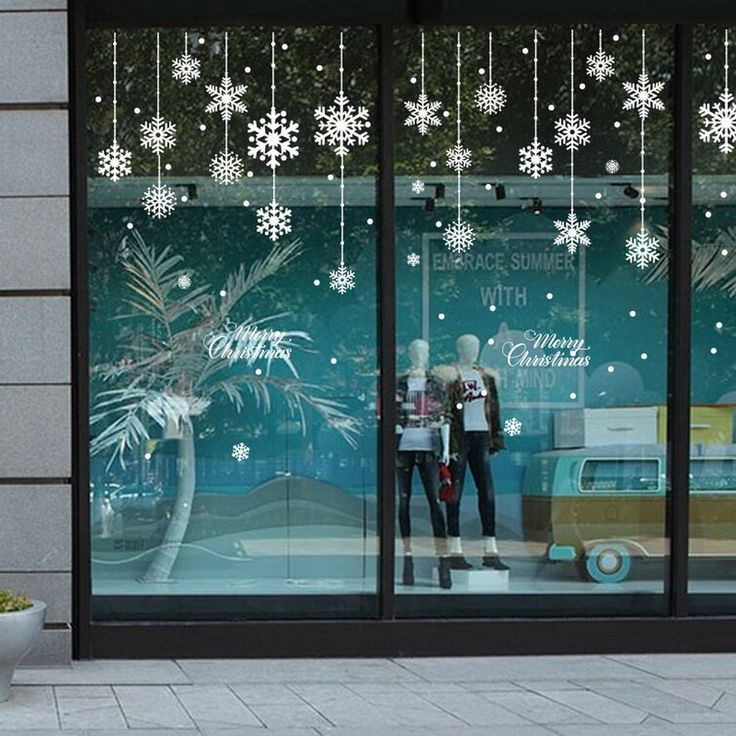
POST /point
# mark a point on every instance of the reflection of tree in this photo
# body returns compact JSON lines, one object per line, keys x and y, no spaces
{"x":171,"y":380}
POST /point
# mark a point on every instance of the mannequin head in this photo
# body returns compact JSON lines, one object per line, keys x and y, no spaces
{"x":468,"y":348}
{"x":419,"y":355}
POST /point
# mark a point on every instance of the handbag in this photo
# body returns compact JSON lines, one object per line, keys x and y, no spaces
{"x":447,"y":487}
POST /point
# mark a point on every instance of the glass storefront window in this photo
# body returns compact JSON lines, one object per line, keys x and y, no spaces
{"x":532,"y":223}
{"x":713,"y":393}
{"x":232,"y":365}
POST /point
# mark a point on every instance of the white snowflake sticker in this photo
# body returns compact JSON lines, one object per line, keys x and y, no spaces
{"x":458,"y":158}
{"x":600,"y":65}
{"x":342,"y":279}
{"x":612,"y":166}
{"x":642,"y":249}
{"x":273,"y":220}
{"x":241,"y":451}
{"x":226,"y":167}
{"x":341,"y":125}
{"x":422,"y":114}
{"x":114,"y":162}
{"x":158,"y":134}
{"x":185,"y":68}
{"x":184,"y":281}
{"x":535,"y":159}
{"x":413,"y":259}
{"x":490,"y":98}
{"x":512,"y":427}
{"x":417,"y":186}
{"x":572,"y":232}
{"x":643,"y":95}
{"x":226,"y":98}
{"x":273,"y":138}
{"x":159,"y":200}
{"x":572,"y":131}
{"x":459,"y":236}
{"x":719,"y":122}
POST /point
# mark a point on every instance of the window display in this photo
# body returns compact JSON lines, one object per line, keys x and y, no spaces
{"x":233,"y":384}
{"x":530,"y":215}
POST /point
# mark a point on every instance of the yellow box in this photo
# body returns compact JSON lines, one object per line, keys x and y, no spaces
{"x":709,"y":425}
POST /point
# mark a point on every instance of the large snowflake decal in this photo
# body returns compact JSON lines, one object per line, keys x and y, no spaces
{"x":423,"y":114}
{"x":719,"y":122}
{"x":341,"y":125}
{"x":273,"y":138}
{"x":512,"y":427}
{"x":226,"y":98}
{"x":413,"y":259}
{"x":342,"y":279}
{"x":114,"y":162}
{"x":600,"y":65}
{"x":158,"y":134}
{"x":458,"y":158}
{"x":572,"y":232}
{"x":572,"y":131}
{"x":273,"y":220}
{"x":643,"y":95}
{"x":642,"y":249}
{"x":159,"y":200}
{"x":185,"y":68}
{"x":226,"y":167}
{"x":490,"y":98}
{"x":459,"y":236}
{"x":241,"y":451}
{"x":535,"y":159}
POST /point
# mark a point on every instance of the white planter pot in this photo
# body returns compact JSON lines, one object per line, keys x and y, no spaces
{"x":18,"y":633}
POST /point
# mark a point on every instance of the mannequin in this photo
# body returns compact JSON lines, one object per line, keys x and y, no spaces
{"x":423,"y":436}
{"x":476,"y":434}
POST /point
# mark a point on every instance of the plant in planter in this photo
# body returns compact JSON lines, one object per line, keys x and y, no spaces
{"x":21,"y":621}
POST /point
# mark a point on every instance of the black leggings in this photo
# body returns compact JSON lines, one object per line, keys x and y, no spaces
{"x":426,"y":463}
{"x":476,"y":454}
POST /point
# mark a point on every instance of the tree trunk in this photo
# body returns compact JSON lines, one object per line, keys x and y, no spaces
{"x":163,"y":561}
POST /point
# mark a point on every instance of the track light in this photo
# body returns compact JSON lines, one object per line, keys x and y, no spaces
{"x":429,"y":204}
{"x":537,"y":206}
{"x":499,"y":189}
{"x":630,"y":192}
{"x":439,"y":189}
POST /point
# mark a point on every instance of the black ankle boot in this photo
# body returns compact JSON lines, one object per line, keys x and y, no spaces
{"x":444,"y":573}
{"x":494,"y":562}
{"x":408,"y":576}
{"x":458,"y":562}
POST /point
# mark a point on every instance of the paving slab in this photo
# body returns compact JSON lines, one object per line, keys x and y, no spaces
{"x":89,"y":707}
{"x":679,"y":666}
{"x":537,"y":708}
{"x":597,"y":706}
{"x":147,"y":706}
{"x":105,"y":672}
{"x":29,"y":708}
{"x":215,"y":706}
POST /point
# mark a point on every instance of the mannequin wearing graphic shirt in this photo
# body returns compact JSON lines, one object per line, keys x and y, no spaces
{"x":475,"y":435}
{"x":423,"y":439}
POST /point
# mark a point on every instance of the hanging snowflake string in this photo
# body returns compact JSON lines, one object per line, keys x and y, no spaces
{"x":572,"y":133}
{"x":642,"y":248}
{"x":535,"y":159}
{"x":490,"y":98}
{"x":274,"y":140}
{"x":114,"y":162}
{"x":158,"y":135}
{"x":600,"y":65}
{"x":341,"y":126}
{"x":185,"y":68}
{"x":226,"y":167}
{"x":458,"y":236}
{"x":719,"y":118}
{"x":423,"y":112}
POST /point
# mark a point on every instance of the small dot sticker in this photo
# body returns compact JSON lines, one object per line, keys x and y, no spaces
{"x":481,"y":70}
{"x":246,"y":203}
{"x":98,"y":99}
{"x":644,"y":356}
{"x":713,"y":351}
{"x":333,"y":361}
{"x":724,"y":195}
{"x":202,"y":127}
{"x":433,"y":164}
{"x":491,"y":341}
{"x":719,"y":325}
{"x":708,"y":214}
{"x":438,"y":223}
{"x":632,"y":313}
{"x":184,"y":198}
{"x":247,"y":70}
{"x":200,"y":40}
{"x":258,"y":371}
{"x":446,"y":114}
{"x":582,"y":85}
{"x":369,"y":221}
{"x":330,"y":177}
{"x":167,"y":167}
{"x":499,"y":129}
{"x":413,"y":80}
{"x":616,"y":37}
{"x":617,"y":124}
{"x":525,"y":50}
{"x":724,"y":252}
{"x":319,"y":67}
{"x":130,"y":226}
{"x":137,"y":110}
{"x":573,"y":395}
{"x":316,"y":282}
{"x":708,"y":56}
{"x":550,"y":107}
{"x":223,"y":293}
{"x":284,"y":46}
{"x":611,"y":369}
{"x":599,"y":195}
{"x":550,"y":295}
{"x":249,"y":174}
{"x":441,"y":315}
{"x":492,"y":308}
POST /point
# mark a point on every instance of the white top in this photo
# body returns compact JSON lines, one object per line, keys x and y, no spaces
{"x":474,"y":401}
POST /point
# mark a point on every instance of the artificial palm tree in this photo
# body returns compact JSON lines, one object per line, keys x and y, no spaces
{"x":172,"y":380}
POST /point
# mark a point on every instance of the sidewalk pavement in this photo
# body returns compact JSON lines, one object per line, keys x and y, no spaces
{"x":632,"y":695}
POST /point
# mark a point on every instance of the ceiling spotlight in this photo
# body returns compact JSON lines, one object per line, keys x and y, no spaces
{"x":429,"y":204}
{"x":439,"y":189}
{"x":630,"y":192}
{"x":537,"y":206}
{"x":499,"y":189}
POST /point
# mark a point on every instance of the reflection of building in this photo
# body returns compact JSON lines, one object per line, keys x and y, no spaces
{"x":293,"y":532}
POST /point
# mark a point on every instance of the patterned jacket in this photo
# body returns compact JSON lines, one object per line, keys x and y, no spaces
{"x":451,"y":377}
{"x":428,"y":408}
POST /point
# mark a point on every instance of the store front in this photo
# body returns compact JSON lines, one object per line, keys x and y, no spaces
{"x":407,"y":331}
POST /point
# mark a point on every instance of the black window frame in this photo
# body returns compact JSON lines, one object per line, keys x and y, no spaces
{"x":387,"y":635}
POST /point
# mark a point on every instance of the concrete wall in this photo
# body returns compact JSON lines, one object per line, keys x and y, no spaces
{"x":35,"y":325}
